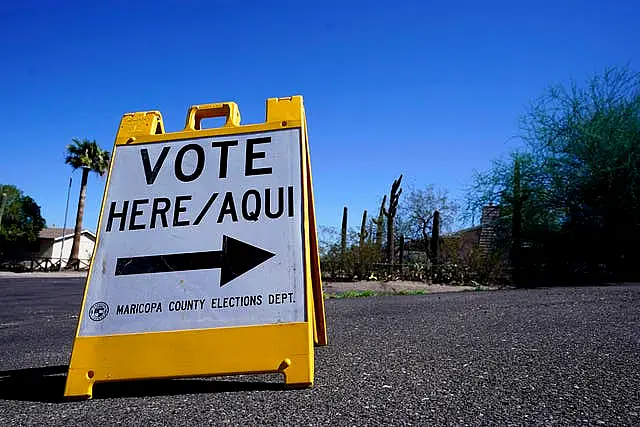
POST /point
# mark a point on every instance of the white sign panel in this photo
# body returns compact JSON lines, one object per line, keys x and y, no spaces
{"x":200,"y":233}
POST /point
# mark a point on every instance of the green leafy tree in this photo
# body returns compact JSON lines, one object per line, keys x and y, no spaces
{"x":90,"y":157}
{"x":573,"y":190}
{"x":20,"y":222}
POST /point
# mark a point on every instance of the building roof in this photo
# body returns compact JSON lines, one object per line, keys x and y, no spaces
{"x":462,"y":231}
{"x":57,"y":233}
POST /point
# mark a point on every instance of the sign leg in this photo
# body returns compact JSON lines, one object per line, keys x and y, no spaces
{"x":79,"y":385}
{"x":299,"y":373}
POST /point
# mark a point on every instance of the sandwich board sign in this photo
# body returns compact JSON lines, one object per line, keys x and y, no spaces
{"x":206,"y":261}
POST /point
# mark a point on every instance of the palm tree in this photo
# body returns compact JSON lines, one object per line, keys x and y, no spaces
{"x":87,"y":155}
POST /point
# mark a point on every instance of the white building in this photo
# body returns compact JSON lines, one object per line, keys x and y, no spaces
{"x":56,"y":241}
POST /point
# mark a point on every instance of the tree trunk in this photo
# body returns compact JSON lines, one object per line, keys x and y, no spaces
{"x":516,"y":229}
{"x":74,"y":262}
{"x":516,"y":226}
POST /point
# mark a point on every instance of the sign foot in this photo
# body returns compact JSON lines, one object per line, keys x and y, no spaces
{"x":79,"y":385}
{"x":297,"y":374}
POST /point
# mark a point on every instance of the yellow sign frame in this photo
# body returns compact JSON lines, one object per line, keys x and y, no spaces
{"x":286,"y":348}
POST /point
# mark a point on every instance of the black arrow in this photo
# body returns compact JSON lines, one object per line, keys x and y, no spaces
{"x":235,"y":259}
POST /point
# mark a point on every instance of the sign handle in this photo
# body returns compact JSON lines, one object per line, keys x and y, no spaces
{"x":196,"y":113}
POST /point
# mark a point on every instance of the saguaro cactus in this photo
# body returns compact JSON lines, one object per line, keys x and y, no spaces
{"x":363,"y":230}
{"x":379,"y":222}
{"x":394,"y":197}
{"x":435,"y":237}
{"x":363,"y":238}
{"x":343,"y":240}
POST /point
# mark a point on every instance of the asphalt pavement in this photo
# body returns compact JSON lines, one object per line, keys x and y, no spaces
{"x":562,"y":356}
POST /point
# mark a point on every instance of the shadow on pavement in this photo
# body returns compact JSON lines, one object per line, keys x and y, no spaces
{"x":34,"y":384}
{"x":168,"y":387}
{"x":47,"y":385}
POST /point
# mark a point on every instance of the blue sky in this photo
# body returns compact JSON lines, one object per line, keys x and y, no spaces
{"x":429,"y":89}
